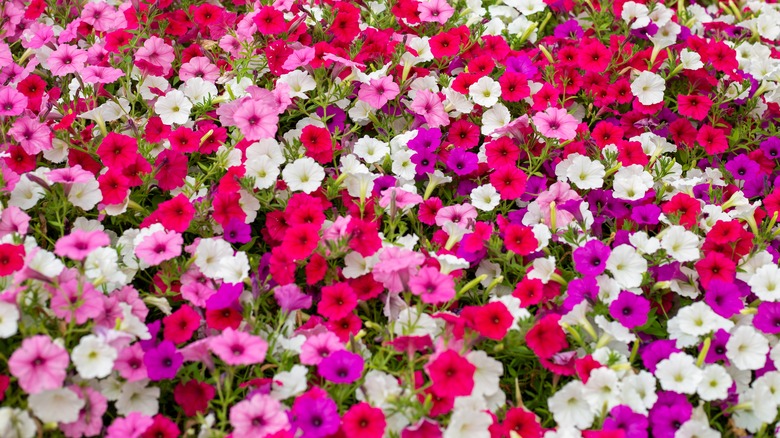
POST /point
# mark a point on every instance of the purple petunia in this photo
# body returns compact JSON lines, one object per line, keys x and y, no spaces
{"x":237,"y":231}
{"x":290,"y":298}
{"x":462,"y":162}
{"x":724,"y":298}
{"x":623,"y":418}
{"x":630,"y":309}
{"x":317,"y":416}
{"x":341,"y":367}
{"x":591,"y":259}
{"x":163,"y":361}
{"x":767,"y":318}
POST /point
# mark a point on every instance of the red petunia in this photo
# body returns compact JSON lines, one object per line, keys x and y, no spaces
{"x":114,"y":187}
{"x":502,"y":152}
{"x":184,"y":140}
{"x":193,"y":396}
{"x":444,"y":45}
{"x":605,"y":133}
{"x":509,"y":181}
{"x":338,"y":300}
{"x":521,"y":422}
{"x":269,"y":21}
{"x":180,"y":325}
{"x":117,"y":150}
{"x":316,"y":269}
{"x":693,"y":106}
{"x":318,"y":143}
{"x":715,"y":266}
{"x":364,"y":236}
{"x":452,"y":375}
{"x":594,"y":57}
{"x":363,"y":421}
{"x":300,"y":241}
{"x":172,"y":169}
{"x":685,"y":207}
{"x":11,"y":258}
{"x":546,"y":337}
{"x":492,"y":320}
{"x":176,"y":214}
{"x":530,"y":291}
{"x":713,"y":140}
{"x":463,"y":134}
{"x":220,"y":319}
{"x":520,"y":239}
{"x":345,"y":327}
{"x":206,"y":14}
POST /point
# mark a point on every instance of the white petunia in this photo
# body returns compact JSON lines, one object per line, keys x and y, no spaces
{"x":632,"y":182}
{"x":370,"y":149}
{"x":638,"y":392}
{"x":747,"y":348}
{"x":85,"y":195}
{"x":680,"y":244}
{"x":403,"y":167}
{"x":487,"y":374}
{"x":26,"y":194}
{"x":209,"y":254}
{"x":291,"y":383}
{"x":199,"y":90}
{"x":9,"y":319}
{"x":93,"y":357}
{"x":648,"y":88}
{"x":690,"y":60}
{"x":585,"y":173}
{"x":234,"y":269}
{"x":16,"y":423}
{"x":626,"y":266}
{"x":304,"y":175}
{"x":263,"y":170}
{"x":496,"y":117}
{"x":603,"y":389}
{"x":569,"y":408}
{"x":266,"y":147}
{"x":59,"y":405}
{"x":679,"y":373}
{"x":485,"y":92}
{"x":698,"y":319}
{"x":485,"y":197}
{"x":299,"y":82}
{"x":765,"y":283}
{"x":636,"y":12}
{"x":469,"y":424}
{"x":173,"y":108}
{"x":137,"y":397}
{"x":715,"y":383}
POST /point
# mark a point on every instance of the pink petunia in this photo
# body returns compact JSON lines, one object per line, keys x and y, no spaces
{"x":396,"y":266}
{"x":556,"y":123}
{"x":238,"y":348}
{"x":32,"y":135}
{"x":256,"y":120}
{"x":377,"y":92}
{"x":39,"y":364}
{"x":159,"y":247}
{"x":79,"y":243}
{"x":157,"y":53}
{"x":428,"y":105}
{"x":435,"y":11}
{"x":72,"y":301}
{"x":70,"y":175}
{"x":13,"y":220}
{"x":66,"y":59}
{"x":12,"y":102}
{"x":94,"y":74}
{"x":132,"y":426}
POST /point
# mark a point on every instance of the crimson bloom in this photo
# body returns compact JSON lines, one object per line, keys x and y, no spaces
{"x":318,"y":143}
{"x":269,"y":21}
{"x":452,"y":375}
{"x":300,"y":241}
{"x":492,"y":320}
{"x":715,"y":266}
{"x":509,"y":181}
{"x":11,"y":258}
{"x":181,"y":324}
{"x":685,"y":207}
{"x":176,"y":214}
{"x":546,"y":337}
{"x":693,"y":106}
{"x":713,"y":140}
{"x":193,"y":396}
{"x":520,"y":239}
{"x":363,"y":421}
{"x":338,"y":300}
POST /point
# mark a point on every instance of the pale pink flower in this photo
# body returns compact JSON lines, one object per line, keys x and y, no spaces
{"x":66,"y":59}
{"x":435,"y":11}
{"x":428,"y":105}
{"x":396,"y":266}
{"x":199,"y":67}
{"x":556,"y":123}
{"x":90,"y":421}
{"x":238,"y":348}
{"x":70,"y":175}
{"x":76,"y":301}
{"x":462,"y":214}
{"x":159,"y":247}
{"x":12,"y":102}
{"x":318,"y":347}
{"x":13,"y":220}
{"x":256,"y":120}
{"x":39,"y":364}
{"x":377,"y":92}
{"x":195,"y":287}
{"x":258,"y":416}
{"x":36,"y":35}
{"x":559,"y":192}
{"x":299,"y":58}
{"x":79,"y":243}
{"x":100,"y":75}
{"x":32,"y":135}
{"x":100,"y":15}
{"x":155,"y":52}
{"x":403,"y":199}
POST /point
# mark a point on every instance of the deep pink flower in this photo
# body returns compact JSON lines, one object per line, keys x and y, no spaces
{"x":377,"y":92}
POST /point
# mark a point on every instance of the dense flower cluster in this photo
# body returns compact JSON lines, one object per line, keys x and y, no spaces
{"x":414,"y":218}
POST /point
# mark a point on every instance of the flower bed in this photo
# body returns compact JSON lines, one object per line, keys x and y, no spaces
{"x":498,"y":218}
